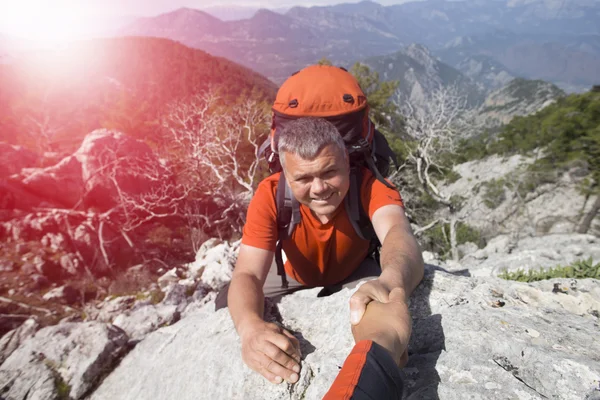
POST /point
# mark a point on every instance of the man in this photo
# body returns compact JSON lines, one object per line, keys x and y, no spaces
{"x":323,"y":251}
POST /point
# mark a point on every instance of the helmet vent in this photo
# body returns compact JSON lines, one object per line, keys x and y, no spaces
{"x":348,"y":98}
{"x":293,"y":103}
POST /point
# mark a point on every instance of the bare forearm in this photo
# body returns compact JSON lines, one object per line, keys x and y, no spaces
{"x":245,"y":300}
{"x":401,"y":261}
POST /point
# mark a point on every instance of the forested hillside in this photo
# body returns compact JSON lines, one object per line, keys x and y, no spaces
{"x":50,"y":100}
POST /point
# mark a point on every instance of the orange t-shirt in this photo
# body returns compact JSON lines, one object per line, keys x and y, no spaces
{"x":317,"y":254}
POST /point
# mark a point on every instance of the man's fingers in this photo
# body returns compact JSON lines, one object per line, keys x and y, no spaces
{"x":358,"y":305}
{"x":368,"y":292}
{"x":295,"y":343}
{"x":271,"y":369}
{"x":271,"y":377}
{"x":288,"y":345}
{"x":288,"y":364}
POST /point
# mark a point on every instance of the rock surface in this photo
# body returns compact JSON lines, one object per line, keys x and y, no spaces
{"x":551,"y":208}
{"x":84,"y":176}
{"x":14,"y":158}
{"x":506,"y":254}
{"x":472,"y":338}
{"x":68,"y":359}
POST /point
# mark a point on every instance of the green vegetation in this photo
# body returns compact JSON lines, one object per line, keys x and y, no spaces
{"x":494,"y":193}
{"x":579,"y":270}
{"x":562,"y":135}
{"x":383,"y":111}
{"x":567,"y":131}
{"x":63,"y":389}
{"x":437,"y":239}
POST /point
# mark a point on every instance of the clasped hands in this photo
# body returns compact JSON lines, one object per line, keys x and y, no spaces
{"x":379,"y":312}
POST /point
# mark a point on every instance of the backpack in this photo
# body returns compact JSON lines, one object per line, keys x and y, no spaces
{"x":334,"y":94}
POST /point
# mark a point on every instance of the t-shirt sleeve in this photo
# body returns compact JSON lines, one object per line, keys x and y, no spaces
{"x":376,"y":195}
{"x":260,"y":229}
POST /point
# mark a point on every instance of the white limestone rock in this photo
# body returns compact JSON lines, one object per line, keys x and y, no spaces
{"x":472,"y":338}
{"x":70,"y":357}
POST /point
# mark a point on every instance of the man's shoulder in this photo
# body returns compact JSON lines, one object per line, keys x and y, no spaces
{"x":266,"y":191}
{"x":369,"y":181}
{"x":269,"y":184}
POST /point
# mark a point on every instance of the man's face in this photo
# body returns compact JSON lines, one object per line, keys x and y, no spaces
{"x":321,"y":183}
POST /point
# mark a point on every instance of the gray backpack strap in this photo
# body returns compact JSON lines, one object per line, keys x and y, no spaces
{"x":263,"y":147}
{"x":288,"y":216}
{"x":358,"y":217}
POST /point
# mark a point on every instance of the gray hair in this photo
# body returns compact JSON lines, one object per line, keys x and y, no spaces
{"x":306,"y":137}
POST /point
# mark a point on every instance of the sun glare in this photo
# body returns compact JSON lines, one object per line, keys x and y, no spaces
{"x":45,"y":22}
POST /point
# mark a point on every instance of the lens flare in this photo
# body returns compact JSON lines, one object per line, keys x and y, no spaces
{"x":43,"y":22}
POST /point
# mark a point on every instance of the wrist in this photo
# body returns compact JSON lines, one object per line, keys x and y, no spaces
{"x":391,"y":279}
{"x":394,"y":284}
{"x":248,"y":325}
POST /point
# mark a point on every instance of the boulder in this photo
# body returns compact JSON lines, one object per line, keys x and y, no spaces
{"x":64,"y":294}
{"x":130,"y":161}
{"x":85,"y":178}
{"x":214,"y":263}
{"x":14,"y":158}
{"x":141,"y":321}
{"x":13,"y":339}
{"x":66,"y":360}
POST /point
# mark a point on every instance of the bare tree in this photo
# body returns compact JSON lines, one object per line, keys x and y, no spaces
{"x":216,"y":150}
{"x":40,"y":123}
{"x":435,"y":128}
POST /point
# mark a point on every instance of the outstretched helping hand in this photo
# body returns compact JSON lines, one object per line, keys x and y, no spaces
{"x":388,"y":321}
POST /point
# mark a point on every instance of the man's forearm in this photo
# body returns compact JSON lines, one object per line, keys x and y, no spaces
{"x":401,"y":261}
{"x":245,"y":301}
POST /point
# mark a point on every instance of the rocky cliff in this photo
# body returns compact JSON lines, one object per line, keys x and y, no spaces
{"x":473,"y":336}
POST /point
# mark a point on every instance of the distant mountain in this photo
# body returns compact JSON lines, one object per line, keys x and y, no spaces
{"x":570,"y":62}
{"x":485,"y":70}
{"x":275,"y":45}
{"x":230,"y":12}
{"x":236,"y":12}
{"x":121,"y":83}
{"x":419,"y":72}
{"x":519,"y":97}
{"x":529,"y":38}
{"x":181,"y":25}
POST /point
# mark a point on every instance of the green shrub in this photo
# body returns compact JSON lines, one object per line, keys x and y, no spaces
{"x":437,"y":239}
{"x":567,"y":130}
{"x":452,"y":176}
{"x":579,"y":270}
{"x":156,"y":296}
{"x":494,"y":193}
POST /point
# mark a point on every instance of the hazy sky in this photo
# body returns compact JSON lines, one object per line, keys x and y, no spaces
{"x":62,"y":20}
{"x":154,"y":6}
{"x":150,"y":7}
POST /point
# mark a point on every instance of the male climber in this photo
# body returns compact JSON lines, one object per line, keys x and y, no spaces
{"x":325,"y":251}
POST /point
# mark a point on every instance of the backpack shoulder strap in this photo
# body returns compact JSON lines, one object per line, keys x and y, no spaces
{"x":354,"y":208}
{"x":358,"y":216}
{"x":288,"y":216}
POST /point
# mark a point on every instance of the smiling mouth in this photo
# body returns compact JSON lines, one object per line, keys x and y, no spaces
{"x":324,"y":198}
